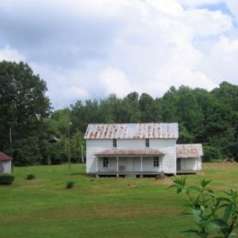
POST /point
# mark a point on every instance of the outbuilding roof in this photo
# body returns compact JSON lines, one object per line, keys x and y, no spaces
{"x":189,"y":150}
{"x":4,"y":157}
{"x":132,"y":131}
{"x":129,"y":152}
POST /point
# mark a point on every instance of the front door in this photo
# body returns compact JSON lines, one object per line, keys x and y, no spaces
{"x":179,"y":166}
{"x":122,"y":164}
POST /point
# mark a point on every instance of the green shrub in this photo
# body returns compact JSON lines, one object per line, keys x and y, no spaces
{"x":214,"y":215}
{"x":30,"y":177}
{"x":6,"y":179}
{"x":69,"y":184}
{"x":212,"y":153}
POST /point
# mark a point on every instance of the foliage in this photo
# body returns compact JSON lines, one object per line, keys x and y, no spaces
{"x":6,"y":179}
{"x":23,"y":107}
{"x":212,"y":153}
{"x":215,"y":216}
{"x":69,"y":139}
{"x":69,"y":184}
{"x":30,"y":177}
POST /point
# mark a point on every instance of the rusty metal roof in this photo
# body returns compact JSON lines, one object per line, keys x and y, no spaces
{"x":132,"y":131}
{"x":129,"y":152}
{"x":4,"y":157}
{"x":189,"y":150}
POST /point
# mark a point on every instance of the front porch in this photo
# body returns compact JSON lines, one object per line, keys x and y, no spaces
{"x":121,"y":163}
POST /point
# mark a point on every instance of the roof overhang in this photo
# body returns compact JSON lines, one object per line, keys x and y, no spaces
{"x":129,"y":153}
{"x":4,"y":157}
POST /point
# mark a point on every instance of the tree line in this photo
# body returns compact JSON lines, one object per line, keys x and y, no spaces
{"x":33,"y":133}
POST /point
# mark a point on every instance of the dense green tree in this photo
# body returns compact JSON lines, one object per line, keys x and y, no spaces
{"x":130,"y":111}
{"x":23,"y":107}
{"x":111,"y":109}
{"x":148,"y":108}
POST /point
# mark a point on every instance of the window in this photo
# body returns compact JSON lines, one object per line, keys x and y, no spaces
{"x":156,"y":162}
{"x":147,"y":143}
{"x":114,"y":143}
{"x":105,"y":162}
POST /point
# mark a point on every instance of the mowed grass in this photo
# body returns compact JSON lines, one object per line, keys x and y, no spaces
{"x":105,"y":207}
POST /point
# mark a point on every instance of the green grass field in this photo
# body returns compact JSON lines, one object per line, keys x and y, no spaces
{"x":108,"y":207}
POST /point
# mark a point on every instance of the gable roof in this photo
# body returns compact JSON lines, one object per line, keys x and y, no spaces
{"x":189,"y":150}
{"x":4,"y":157}
{"x":132,"y":131}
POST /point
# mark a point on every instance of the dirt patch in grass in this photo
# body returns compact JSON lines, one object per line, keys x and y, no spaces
{"x":167,"y":181}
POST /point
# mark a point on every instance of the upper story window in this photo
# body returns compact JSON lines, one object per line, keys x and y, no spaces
{"x":156,"y":162}
{"x":114,"y":143}
{"x":147,"y":143}
{"x":105,"y":162}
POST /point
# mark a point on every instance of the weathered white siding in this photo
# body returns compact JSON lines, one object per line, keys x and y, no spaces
{"x":5,"y":167}
{"x":130,"y":144}
{"x":199,"y":163}
{"x":191,"y":164}
{"x":92,"y":147}
{"x":166,"y":146}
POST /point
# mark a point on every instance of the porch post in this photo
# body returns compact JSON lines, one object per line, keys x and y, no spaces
{"x":159,"y":167}
{"x":141,"y":166}
{"x":117,"y":166}
{"x":97,"y":167}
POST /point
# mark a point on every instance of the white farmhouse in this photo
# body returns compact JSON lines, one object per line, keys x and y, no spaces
{"x":5,"y":163}
{"x":138,"y":149}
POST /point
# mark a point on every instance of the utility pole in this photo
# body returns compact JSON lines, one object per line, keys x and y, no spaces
{"x":69,"y":146}
{"x":10,"y":143}
{"x":10,"y":137}
{"x":82,"y":152}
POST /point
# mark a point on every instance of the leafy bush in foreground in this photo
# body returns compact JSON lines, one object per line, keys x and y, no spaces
{"x":6,"y":179}
{"x":215,"y":216}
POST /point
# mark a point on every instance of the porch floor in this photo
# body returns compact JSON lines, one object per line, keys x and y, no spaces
{"x":139,"y":173}
{"x":127,"y":172}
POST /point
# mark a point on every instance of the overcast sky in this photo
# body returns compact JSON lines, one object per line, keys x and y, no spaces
{"x":92,"y":48}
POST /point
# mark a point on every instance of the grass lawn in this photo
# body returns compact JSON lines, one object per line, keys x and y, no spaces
{"x":108,"y":207}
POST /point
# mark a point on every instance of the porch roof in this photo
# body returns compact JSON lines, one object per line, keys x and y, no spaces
{"x":129,"y":152}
